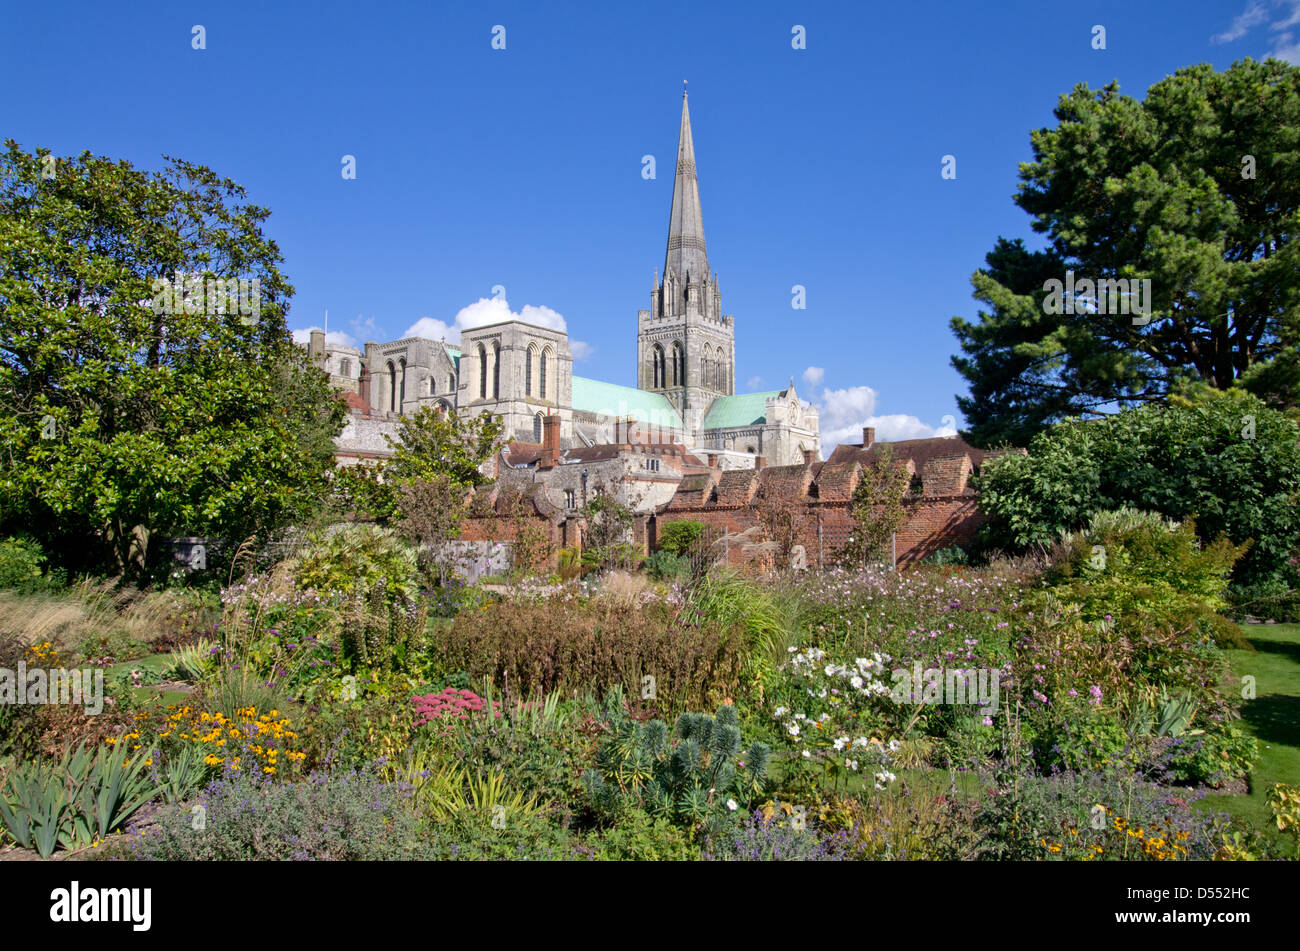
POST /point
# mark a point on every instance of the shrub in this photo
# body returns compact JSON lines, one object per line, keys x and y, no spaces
{"x":666,"y":566}
{"x":952,"y":555}
{"x":698,"y":777}
{"x":767,"y":838}
{"x":582,"y":646}
{"x":1214,"y":757}
{"x":357,"y":557}
{"x":472,"y":837}
{"x":1092,"y":815}
{"x":1126,"y":612}
{"x":1184,"y":461}
{"x":676,"y":538}
{"x":638,"y":836}
{"x":21,"y":566}
{"x":537,"y":747}
{"x":242,"y":816}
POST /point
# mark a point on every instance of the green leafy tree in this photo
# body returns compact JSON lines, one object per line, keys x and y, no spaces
{"x":678,"y":537}
{"x":430,"y":445}
{"x":877,"y":507}
{"x":1226,"y":460}
{"x":433,"y":442}
{"x":134,"y":401}
{"x":1195,"y":188}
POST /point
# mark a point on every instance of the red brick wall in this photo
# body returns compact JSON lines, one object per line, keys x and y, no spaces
{"x":931,"y":524}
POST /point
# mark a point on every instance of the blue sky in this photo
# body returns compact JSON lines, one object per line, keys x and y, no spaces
{"x":522,"y":167}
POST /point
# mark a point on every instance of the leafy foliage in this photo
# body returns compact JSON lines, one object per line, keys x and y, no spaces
{"x":1156,"y":189}
{"x":75,"y":801}
{"x":122,"y":421}
{"x":699,"y":776}
{"x":677,"y":537}
{"x":1226,"y":461}
{"x":877,"y":508}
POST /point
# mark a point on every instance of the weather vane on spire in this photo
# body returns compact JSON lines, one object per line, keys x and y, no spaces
{"x":683,"y":89}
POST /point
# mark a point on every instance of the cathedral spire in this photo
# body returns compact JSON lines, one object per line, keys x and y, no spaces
{"x":686,"y":254}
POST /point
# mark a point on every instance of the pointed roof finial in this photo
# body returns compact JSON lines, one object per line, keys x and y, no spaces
{"x":683,"y":89}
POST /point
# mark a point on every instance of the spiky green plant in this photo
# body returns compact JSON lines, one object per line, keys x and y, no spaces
{"x":698,"y":777}
{"x":76,"y":801}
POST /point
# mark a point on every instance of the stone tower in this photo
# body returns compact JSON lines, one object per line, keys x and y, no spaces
{"x":686,"y":347}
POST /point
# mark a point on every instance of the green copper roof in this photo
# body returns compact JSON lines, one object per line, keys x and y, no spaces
{"x":610,"y":399}
{"x":743,"y":409}
{"x":454,"y":353}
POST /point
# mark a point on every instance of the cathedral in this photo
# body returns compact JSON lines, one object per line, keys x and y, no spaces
{"x":686,"y":370}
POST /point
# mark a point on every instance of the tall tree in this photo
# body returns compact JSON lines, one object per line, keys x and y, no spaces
{"x":134,"y":399}
{"x":430,"y":445}
{"x":1196,"y":188}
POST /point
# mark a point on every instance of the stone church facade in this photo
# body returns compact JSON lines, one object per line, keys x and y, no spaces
{"x":686,"y":369}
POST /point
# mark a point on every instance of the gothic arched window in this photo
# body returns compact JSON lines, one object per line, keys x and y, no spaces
{"x":541,"y":390}
{"x":537,"y":428}
{"x":679,"y":365}
{"x":496,"y":371}
{"x":660,"y":380}
{"x":482,"y":372}
{"x":528,"y":373}
{"x":392,"y":387}
{"x":401,"y":400}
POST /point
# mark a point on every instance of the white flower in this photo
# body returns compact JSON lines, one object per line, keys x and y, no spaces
{"x":829,"y":669}
{"x":841,"y":742}
{"x":856,"y":681}
{"x":779,"y":712}
{"x":793,"y":729}
{"x":893,"y":745}
{"x":806,"y":753}
{"x":731,"y":804}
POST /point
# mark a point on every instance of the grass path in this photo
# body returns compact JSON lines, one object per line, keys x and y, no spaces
{"x":1273,"y":718}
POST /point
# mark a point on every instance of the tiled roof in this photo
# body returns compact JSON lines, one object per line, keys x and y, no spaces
{"x":919,"y":451}
{"x":610,"y":399}
{"x":742,"y":409}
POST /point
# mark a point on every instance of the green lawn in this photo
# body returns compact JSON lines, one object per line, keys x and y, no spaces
{"x":1273,"y":717}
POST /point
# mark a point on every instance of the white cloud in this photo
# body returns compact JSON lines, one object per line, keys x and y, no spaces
{"x":753,"y":383}
{"x":494,"y":310}
{"x":1286,"y":48}
{"x":362,"y":329}
{"x":813,"y":376}
{"x":338,"y":337}
{"x":1254,"y":14}
{"x":844,"y":412}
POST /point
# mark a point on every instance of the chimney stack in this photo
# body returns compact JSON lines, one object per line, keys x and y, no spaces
{"x":758,"y":463}
{"x":550,"y":443}
{"x":363,"y":385}
{"x":713,"y":460}
{"x":868,"y":436}
{"x":808,"y":457}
